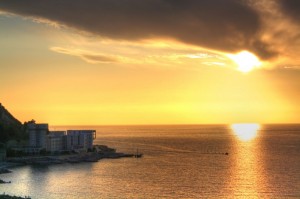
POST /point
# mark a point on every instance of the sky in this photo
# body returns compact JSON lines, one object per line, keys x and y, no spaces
{"x":120,"y":62}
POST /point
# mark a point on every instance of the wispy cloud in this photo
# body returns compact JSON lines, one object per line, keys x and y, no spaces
{"x":87,"y":56}
{"x":156,"y":55}
{"x":292,"y":67}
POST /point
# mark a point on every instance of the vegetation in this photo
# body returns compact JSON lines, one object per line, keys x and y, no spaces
{"x":4,"y":196}
{"x":10,"y":127}
{"x":11,"y":132}
{"x":14,"y":153}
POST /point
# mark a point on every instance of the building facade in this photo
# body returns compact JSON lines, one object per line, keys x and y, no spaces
{"x":37,"y":134}
{"x":56,"y":141}
{"x":80,"y":139}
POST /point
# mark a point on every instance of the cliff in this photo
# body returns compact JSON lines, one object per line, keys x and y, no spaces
{"x":10,"y":127}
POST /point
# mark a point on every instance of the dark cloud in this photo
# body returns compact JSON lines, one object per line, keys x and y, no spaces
{"x":227,"y":25}
{"x":291,"y":8}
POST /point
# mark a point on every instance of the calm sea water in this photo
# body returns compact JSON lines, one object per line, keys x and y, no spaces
{"x":178,"y":162}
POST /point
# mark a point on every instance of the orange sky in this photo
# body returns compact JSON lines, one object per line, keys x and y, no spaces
{"x":64,"y":76}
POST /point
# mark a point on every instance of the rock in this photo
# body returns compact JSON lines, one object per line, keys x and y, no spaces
{"x":4,"y":182}
{"x":3,"y":170}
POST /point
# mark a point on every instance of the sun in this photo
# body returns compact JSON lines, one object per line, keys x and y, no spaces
{"x":245,"y":132}
{"x":246,"y":61}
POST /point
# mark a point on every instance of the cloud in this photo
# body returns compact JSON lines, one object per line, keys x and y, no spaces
{"x":268,"y":28}
{"x":162,"y":55}
{"x":86,"y":56}
{"x":224,"y":25}
{"x":281,"y":30}
{"x":291,"y":8}
{"x":292,"y":67}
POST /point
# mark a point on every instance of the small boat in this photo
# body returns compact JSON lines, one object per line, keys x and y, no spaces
{"x":138,"y":155}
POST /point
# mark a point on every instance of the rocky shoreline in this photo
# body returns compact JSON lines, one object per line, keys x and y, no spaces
{"x":104,"y":153}
{"x":60,"y":159}
{"x":4,"y":182}
{"x":4,"y":170}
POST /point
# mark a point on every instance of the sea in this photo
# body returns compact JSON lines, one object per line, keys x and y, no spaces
{"x":179,"y":161}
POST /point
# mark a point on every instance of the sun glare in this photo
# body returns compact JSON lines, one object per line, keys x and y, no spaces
{"x":245,"y":132}
{"x":246,"y":61}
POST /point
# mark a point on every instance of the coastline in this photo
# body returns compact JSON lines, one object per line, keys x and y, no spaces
{"x":5,"y":196}
{"x":108,"y":153}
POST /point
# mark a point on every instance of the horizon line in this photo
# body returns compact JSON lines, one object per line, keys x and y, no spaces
{"x":207,"y":124}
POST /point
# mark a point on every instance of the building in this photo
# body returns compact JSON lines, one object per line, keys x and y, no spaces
{"x":37,"y":134}
{"x":56,"y":141}
{"x":80,"y":139}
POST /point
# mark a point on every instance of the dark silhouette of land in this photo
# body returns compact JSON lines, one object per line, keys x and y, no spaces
{"x":10,"y":127}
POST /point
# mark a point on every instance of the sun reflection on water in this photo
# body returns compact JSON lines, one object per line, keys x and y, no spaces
{"x":245,"y":132}
{"x":248,"y":178}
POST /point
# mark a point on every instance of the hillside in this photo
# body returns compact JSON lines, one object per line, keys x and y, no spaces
{"x":7,"y":118}
{"x":10,"y":127}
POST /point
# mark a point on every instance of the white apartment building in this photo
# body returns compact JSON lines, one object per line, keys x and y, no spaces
{"x":37,"y":135}
{"x":56,"y":141}
{"x":41,"y":138}
{"x":80,"y":139}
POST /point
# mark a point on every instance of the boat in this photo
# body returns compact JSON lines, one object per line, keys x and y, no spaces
{"x":138,"y":155}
